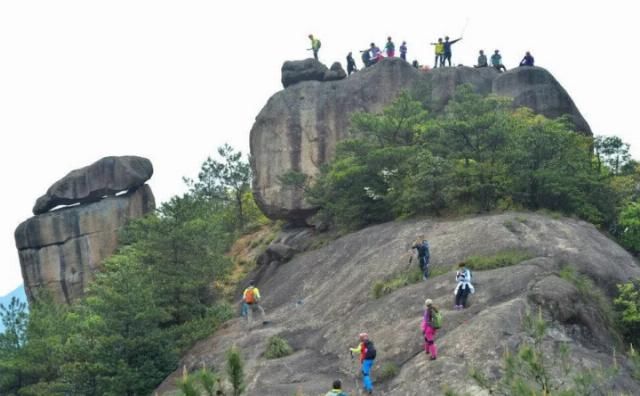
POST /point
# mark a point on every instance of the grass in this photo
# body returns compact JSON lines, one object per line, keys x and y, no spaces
{"x":402,"y":279}
{"x":277,"y":347}
{"x":501,"y":259}
{"x":388,"y":371}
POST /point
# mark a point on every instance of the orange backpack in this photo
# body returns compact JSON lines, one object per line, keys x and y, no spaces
{"x":249,"y":296}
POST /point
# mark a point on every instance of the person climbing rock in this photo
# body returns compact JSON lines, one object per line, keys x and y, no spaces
{"x":337,"y":389}
{"x":424,"y":255}
{"x":496,"y":61}
{"x":251,"y":302}
{"x":439,"y":53}
{"x":315,"y":46}
{"x":527,"y":60}
{"x":375,"y":55}
{"x":431,"y":322}
{"x":390,"y":48}
{"x":351,"y":64}
{"x":447,"y":49}
{"x":403,"y":51}
{"x":367,"y":352}
{"x":463,"y":286}
{"x":482,"y":60}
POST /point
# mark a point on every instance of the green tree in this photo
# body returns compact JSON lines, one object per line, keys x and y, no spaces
{"x":629,"y":226}
{"x":12,"y":341}
{"x":627,"y":304}
{"x":235,"y":370}
{"x":612,"y":152}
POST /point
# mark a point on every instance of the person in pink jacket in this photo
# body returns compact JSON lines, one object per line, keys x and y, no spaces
{"x":429,"y":328}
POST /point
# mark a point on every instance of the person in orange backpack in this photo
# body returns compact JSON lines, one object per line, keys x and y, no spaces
{"x":251,"y":301}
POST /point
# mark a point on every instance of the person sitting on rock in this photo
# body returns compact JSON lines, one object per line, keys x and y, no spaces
{"x":527,"y":60}
{"x":375,"y":54}
{"x":403,"y":51}
{"x":367,"y":352}
{"x":463,"y":286}
{"x":315,"y":46}
{"x":482,"y":60}
{"x":496,"y":61}
{"x":351,"y":64}
{"x":251,"y":302}
{"x":429,"y":328}
{"x":337,"y":389}
{"x":390,"y":48}
{"x":439,"y":53}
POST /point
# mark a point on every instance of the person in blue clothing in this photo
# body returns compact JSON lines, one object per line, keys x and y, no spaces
{"x":527,"y":60}
{"x":367,"y":352}
{"x":447,"y":49}
{"x":403,"y":51}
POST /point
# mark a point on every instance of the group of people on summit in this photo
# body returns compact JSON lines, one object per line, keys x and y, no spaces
{"x":443,"y":54}
{"x":430,"y":324}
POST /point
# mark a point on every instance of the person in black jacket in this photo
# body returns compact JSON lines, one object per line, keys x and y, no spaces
{"x":351,"y":64}
{"x":367,"y":352}
{"x":527,"y":60}
{"x":447,"y":49}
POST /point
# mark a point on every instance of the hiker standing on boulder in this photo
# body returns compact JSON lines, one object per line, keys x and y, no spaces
{"x":496,"y":61}
{"x":527,"y":60}
{"x":351,"y":64}
{"x":439,"y":53}
{"x":431,"y":322}
{"x":367,"y":352}
{"x":447,"y":49}
{"x":251,"y":302}
{"x":403,"y":51}
{"x":315,"y":46}
{"x":366,"y":57}
{"x":390,"y":48}
{"x":423,"y":257}
{"x":337,"y":389}
{"x":463,"y":286}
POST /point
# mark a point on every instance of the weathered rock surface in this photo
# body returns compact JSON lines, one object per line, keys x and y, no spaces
{"x":61,"y":250}
{"x":299,"y":127}
{"x":335,"y":72}
{"x":321,"y":300}
{"x":107,"y":176}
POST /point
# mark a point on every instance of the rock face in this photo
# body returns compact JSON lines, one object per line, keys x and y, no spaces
{"x":299,"y":127}
{"x":106,"y":176}
{"x":61,"y":250}
{"x":335,"y":72}
{"x":320,"y":300}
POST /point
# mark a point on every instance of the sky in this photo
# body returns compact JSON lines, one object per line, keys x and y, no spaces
{"x":172,"y":81}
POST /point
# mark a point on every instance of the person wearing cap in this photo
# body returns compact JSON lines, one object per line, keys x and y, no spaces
{"x":315,"y":46}
{"x":429,"y":329}
{"x":337,"y":389}
{"x":251,"y":301}
{"x":367,"y":352}
{"x":496,"y":61}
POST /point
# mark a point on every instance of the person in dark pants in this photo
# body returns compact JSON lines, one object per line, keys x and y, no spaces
{"x":367,"y":356}
{"x":439,"y":46}
{"x":496,"y":61}
{"x":463,"y":286}
{"x":423,"y":257}
{"x":482,"y":60}
{"x":366,"y":57}
{"x":315,"y":46}
{"x":447,"y":49}
{"x":527,"y":60}
{"x":403,"y":51}
{"x":351,"y":64}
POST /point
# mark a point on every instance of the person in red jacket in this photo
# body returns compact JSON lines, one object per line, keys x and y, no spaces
{"x":367,"y":352}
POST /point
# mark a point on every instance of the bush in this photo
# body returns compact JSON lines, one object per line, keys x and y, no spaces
{"x":235,"y":370}
{"x":388,"y":371}
{"x":384,"y":287}
{"x":277,"y":347}
{"x":627,"y":305}
{"x":501,"y":259}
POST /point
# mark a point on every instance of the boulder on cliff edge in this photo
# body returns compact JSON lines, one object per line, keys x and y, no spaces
{"x":305,"y":70}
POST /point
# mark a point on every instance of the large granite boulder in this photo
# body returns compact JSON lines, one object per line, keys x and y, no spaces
{"x":299,"y":127}
{"x":321,"y":299}
{"x":536,"y":88}
{"x":60,"y":251}
{"x":305,"y":70}
{"x":335,"y":72}
{"x":107,"y":176}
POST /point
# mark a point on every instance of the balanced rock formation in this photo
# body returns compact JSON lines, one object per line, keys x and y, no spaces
{"x":61,"y":250}
{"x":321,"y":299}
{"x":310,"y":69}
{"x":106,"y":176}
{"x":299,"y":127}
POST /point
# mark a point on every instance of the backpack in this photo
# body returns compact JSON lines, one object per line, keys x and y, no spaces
{"x":371,"y":350}
{"x":436,"y":321}
{"x":249,"y":296}
{"x":319,"y":44}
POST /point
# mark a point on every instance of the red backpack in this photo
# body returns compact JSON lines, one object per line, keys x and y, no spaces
{"x":249,"y":296}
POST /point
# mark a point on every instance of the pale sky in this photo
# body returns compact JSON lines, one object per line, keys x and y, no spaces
{"x":173,"y":80}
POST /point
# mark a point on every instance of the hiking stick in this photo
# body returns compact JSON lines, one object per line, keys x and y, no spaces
{"x":464,"y":29}
{"x":355,"y":375}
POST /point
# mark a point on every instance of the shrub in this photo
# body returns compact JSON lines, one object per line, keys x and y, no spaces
{"x":277,"y":347}
{"x":402,"y":279}
{"x":388,"y":371}
{"x":235,"y":370}
{"x":501,"y":259}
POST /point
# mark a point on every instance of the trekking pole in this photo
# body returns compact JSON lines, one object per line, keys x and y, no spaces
{"x":464,"y":29}
{"x":355,"y":374}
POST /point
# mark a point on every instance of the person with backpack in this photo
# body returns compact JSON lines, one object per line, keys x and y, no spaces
{"x":447,"y":49}
{"x":351,"y":64}
{"x":463,"y":286}
{"x":367,"y":352}
{"x":390,"y":48}
{"x":337,"y":389}
{"x":251,"y":301}
{"x":403,"y":51}
{"x":315,"y":46}
{"x":431,"y":322}
{"x":439,"y":53}
{"x":423,"y":257}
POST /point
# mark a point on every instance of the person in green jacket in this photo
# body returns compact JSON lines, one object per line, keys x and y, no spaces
{"x":390,"y":48}
{"x":315,"y":46}
{"x":337,"y":389}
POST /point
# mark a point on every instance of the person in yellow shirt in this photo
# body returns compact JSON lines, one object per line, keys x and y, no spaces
{"x":251,"y":302}
{"x":439,"y":53}
{"x":315,"y":46}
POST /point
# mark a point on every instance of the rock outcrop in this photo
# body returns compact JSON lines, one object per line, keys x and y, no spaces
{"x":299,"y":127}
{"x":320,"y":300}
{"x":107,"y":176}
{"x":61,"y":250}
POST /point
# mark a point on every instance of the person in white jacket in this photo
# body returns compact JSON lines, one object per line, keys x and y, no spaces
{"x":463,"y":286}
